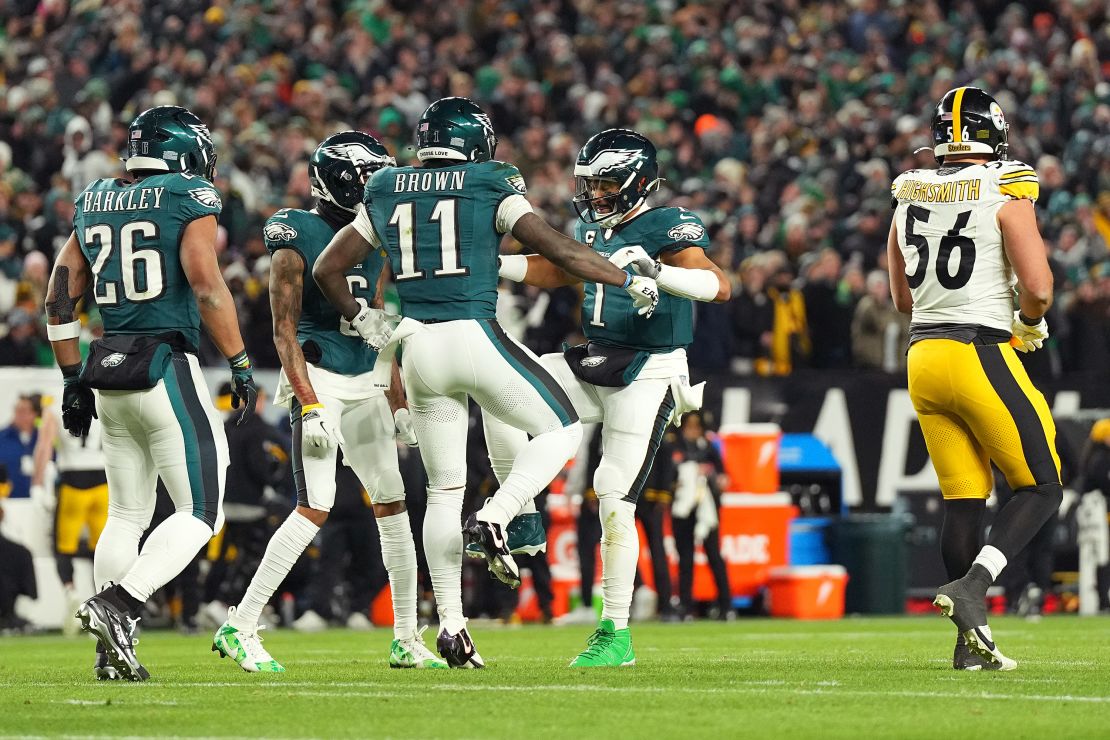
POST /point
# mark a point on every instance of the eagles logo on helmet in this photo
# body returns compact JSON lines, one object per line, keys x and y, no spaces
{"x":455,"y":129}
{"x":169,"y":138}
{"x":341,"y":165}
{"x":624,"y":157}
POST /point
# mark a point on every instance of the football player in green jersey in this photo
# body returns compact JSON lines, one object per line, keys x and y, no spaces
{"x":631,"y":375}
{"x":147,"y":244}
{"x":326,"y":383}
{"x":441,"y":225}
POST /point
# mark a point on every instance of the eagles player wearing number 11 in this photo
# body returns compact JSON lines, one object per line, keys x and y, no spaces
{"x":147,"y":243}
{"x":631,"y":375}
{"x":441,"y":225}
{"x":963,"y":236}
{"x":326,"y":383}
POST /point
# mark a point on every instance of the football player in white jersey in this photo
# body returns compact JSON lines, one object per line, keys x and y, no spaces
{"x":964,"y":235}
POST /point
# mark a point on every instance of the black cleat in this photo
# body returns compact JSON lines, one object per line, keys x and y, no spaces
{"x":489,"y":538}
{"x":964,"y":602}
{"x":102,"y":669}
{"x":965,"y":660}
{"x":458,"y":649}
{"x":115,"y":631}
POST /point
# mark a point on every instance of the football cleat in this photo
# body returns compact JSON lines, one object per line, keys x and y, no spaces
{"x":579,"y":615}
{"x":457,"y":648}
{"x":116,"y":633}
{"x":964,"y":602}
{"x":244,"y":647}
{"x":965,"y":660}
{"x":607,"y":647}
{"x":413,"y":653}
{"x":102,"y":669}
{"x":525,"y":536}
{"x":487,"y":536}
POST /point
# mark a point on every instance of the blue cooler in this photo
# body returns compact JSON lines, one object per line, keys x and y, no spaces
{"x":809,"y":541}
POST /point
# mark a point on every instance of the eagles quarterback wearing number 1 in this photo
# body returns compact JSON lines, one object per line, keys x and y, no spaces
{"x":963,"y":236}
{"x":441,"y":225}
{"x":631,"y":375}
{"x":147,"y":243}
{"x":326,"y":383}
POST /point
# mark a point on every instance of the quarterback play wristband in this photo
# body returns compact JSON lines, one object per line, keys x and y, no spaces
{"x":61,"y":332}
{"x":513,"y":267}
{"x":700,"y":285}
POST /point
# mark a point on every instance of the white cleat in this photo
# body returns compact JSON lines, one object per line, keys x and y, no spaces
{"x":359,"y":622}
{"x":244,"y":647}
{"x":310,"y":621}
{"x":411,"y":652}
{"x":580,"y":615}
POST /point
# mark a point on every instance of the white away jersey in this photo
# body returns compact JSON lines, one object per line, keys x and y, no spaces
{"x":947,"y":222}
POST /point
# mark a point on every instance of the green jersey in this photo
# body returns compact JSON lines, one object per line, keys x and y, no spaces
{"x":130,"y":232}
{"x":608,"y":316}
{"x":326,"y":338}
{"x":442,"y":232}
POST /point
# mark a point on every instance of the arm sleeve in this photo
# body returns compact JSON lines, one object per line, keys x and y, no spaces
{"x":510,"y":210}
{"x":364,"y":227}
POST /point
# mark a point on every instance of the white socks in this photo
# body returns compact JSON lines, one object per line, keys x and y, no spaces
{"x":399,"y":556}
{"x":620,"y":550}
{"x":285,"y":547}
{"x":169,"y":548}
{"x":992,"y":559}
{"x":117,"y":550}
{"x":536,"y":465}
{"x":443,"y":546}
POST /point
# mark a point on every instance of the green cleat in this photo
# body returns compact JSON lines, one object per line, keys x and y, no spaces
{"x":608,"y":646}
{"x":525,"y":535}
{"x":412,"y":653}
{"x":245,"y":648}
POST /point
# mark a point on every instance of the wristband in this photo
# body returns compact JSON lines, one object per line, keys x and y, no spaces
{"x":512,"y":267}
{"x":240,"y":361}
{"x":1028,"y":321}
{"x":61,"y":332}
{"x":627,"y":279}
{"x":311,"y":407}
{"x":71,"y":372}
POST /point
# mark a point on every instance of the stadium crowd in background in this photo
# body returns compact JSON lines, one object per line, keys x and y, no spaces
{"x":781,"y":124}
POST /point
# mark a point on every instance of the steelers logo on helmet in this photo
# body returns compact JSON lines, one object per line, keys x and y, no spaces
{"x":968,"y":121}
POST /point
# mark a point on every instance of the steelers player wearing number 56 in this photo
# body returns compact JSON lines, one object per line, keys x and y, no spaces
{"x":631,"y":375}
{"x":964,"y":236}
{"x":326,"y":383}
{"x":441,"y":225}
{"x":147,"y":244}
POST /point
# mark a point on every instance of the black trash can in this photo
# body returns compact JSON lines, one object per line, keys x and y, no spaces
{"x":873,"y":549}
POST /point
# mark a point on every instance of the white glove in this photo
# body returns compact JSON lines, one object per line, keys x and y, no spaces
{"x":625,"y":256}
{"x":406,"y":432}
{"x":372,"y":326}
{"x":318,"y":433}
{"x":1029,"y":338}
{"x":645,"y":294}
{"x":42,"y":497}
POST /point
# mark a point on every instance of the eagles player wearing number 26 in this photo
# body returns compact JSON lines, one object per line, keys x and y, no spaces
{"x":631,"y":375}
{"x":333,"y":402}
{"x":964,"y":235}
{"x":441,"y":225}
{"x":147,"y":244}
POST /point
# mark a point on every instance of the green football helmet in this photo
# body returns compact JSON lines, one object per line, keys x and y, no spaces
{"x":341,"y":165}
{"x":170,"y":138}
{"x":621,"y":156}
{"x":456,"y":129}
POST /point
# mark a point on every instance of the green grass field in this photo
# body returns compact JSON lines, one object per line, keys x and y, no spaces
{"x":759,"y":678}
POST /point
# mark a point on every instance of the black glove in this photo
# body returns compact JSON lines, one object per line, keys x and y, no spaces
{"x":243,"y":390}
{"x":78,"y":402}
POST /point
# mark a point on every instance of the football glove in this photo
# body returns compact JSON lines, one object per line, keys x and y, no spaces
{"x":625,"y":256}
{"x":243,"y":390}
{"x":406,"y":432}
{"x":318,"y":433}
{"x":78,"y":406}
{"x":371,"y":325}
{"x":645,"y":294}
{"x":1030,"y":337}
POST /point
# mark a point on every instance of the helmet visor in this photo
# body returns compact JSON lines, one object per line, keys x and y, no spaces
{"x":596,"y":198}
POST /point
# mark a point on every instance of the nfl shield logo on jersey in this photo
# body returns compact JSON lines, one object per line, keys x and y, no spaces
{"x":113,"y":360}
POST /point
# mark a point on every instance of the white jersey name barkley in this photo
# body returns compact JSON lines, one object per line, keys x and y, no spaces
{"x":947,"y":226}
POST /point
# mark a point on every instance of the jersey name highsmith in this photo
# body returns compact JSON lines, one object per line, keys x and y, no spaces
{"x":414,"y":182}
{"x":934,"y":192}
{"x":102,"y":201}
